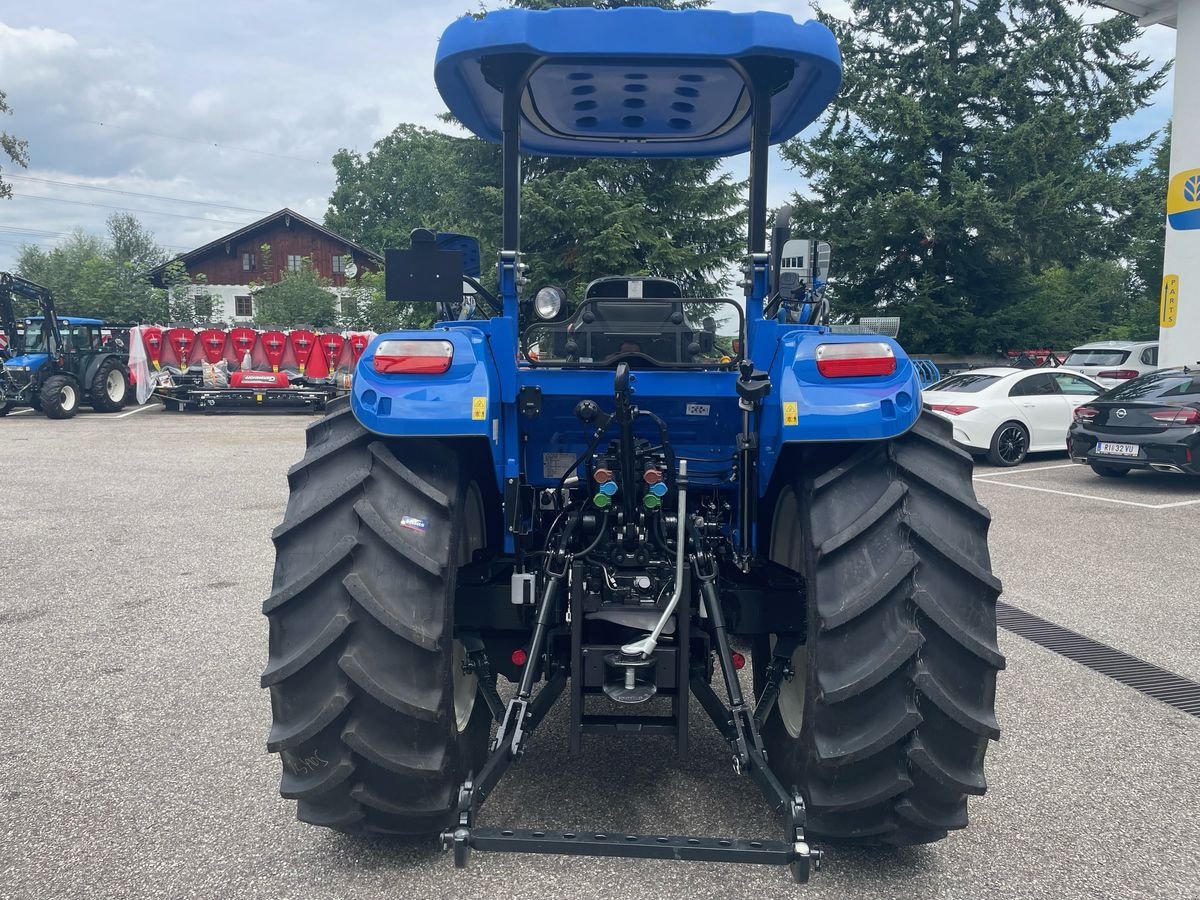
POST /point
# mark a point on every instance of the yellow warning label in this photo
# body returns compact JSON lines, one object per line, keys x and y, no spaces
{"x":791,"y":415}
{"x":479,"y":407}
{"x":1168,"y":308}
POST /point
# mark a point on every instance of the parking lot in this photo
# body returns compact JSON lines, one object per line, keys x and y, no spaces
{"x":135,"y":555}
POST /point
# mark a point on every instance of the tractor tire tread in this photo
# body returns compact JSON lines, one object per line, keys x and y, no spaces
{"x":902,"y":705}
{"x":98,"y":389}
{"x":360,"y":610}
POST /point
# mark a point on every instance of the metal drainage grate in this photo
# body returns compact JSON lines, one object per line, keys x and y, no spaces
{"x":1138,"y":674}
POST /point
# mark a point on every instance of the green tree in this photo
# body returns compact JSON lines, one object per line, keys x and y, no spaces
{"x":412,"y":178}
{"x":365,"y":309}
{"x":73,"y":270}
{"x":130,"y":252}
{"x":15,"y":149}
{"x":298,"y":298}
{"x":970,"y":150}
{"x":1146,"y":236}
{"x":100,"y":276}
{"x":185,"y":299}
{"x":581,"y":218}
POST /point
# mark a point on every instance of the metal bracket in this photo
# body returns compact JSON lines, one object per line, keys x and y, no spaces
{"x":477,"y":662}
{"x":459,"y":838}
{"x":512,"y":724}
{"x":778,"y":671}
{"x":806,"y":859}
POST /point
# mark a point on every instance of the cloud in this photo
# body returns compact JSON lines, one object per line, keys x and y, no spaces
{"x":232,"y":102}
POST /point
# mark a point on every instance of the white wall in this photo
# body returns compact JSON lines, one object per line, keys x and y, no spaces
{"x":1179,"y":335}
{"x":223,"y":300}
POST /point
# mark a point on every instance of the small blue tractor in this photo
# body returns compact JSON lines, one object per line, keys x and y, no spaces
{"x":621,"y":496}
{"x":54,"y":364}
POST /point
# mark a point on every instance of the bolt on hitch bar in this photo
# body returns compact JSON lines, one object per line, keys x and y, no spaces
{"x":737,"y":723}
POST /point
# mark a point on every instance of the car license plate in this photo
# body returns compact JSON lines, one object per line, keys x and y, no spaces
{"x":1111,"y":449}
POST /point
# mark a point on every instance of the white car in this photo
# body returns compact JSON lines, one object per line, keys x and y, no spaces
{"x":1112,"y":363}
{"x":1008,"y":413}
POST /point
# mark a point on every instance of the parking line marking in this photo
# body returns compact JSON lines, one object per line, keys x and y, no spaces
{"x":1030,"y":487}
{"x":132,"y":412}
{"x":1022,"y":471}
{"x":18,"y":412}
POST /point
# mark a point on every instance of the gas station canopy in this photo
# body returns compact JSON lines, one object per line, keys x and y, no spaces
{"x":1147,"y":12}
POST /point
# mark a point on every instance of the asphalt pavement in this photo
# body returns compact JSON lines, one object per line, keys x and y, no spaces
{"x":134,"y":556}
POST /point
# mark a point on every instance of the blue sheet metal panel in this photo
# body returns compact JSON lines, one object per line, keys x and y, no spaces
{"x":31,"y":361}
{"x":833,"y":409}
{"x":68,"y":320}
{"x":463,"y":401}
{"x":637,"y":81}
{"x":700,"y":408}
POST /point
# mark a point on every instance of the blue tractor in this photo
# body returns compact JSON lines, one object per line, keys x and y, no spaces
{"x":620,"y":497}
{"x":54,"y":364}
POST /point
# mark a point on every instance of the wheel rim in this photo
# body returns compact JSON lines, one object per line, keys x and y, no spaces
{"x":466,"y":685}
{"x":1011,"y":443}
{"x":114,"y":386}
{"x":66,"y":397}
{"x":789,"y":552}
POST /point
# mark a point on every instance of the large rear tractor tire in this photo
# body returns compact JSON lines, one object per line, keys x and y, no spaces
{"x":60,"y":397}
{"x":885,"y":723}
{"x":374,"y":717}
{"x":110,"y":387}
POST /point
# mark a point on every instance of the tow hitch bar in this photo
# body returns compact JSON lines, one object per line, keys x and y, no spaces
{"x":800,"y":858}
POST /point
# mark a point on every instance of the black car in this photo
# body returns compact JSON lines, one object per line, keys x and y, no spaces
{"x":1152,"y":422}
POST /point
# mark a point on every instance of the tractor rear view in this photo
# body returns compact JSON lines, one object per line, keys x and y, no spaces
{"x":601,"y":497}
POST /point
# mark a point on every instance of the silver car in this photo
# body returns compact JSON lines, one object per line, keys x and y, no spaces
{"x":1113,"y":362}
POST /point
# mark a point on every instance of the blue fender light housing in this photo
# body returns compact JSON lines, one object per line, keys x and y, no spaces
{"x":855,"y":360}
{"x":420,"y":357}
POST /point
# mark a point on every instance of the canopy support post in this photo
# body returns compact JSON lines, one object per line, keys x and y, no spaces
{"x":511,"y":126}
{"x":760,"y":146}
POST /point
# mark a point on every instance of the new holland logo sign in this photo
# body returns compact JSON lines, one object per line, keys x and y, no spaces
{"x":1183,"y":201}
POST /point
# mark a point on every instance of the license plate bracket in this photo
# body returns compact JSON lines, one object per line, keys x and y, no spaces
{"x":1109,"y":448}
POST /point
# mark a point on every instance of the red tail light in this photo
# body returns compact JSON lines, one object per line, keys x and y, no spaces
{"x":413,"y":357}
{"x":1086,"y":414}
{"x":1122,"y":374}
{"x":1183,"y":416}
{"x":951,"y":409}
{"x":851,"y":360}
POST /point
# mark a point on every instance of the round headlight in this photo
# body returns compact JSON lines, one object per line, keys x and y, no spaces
{"x":548,"y":302}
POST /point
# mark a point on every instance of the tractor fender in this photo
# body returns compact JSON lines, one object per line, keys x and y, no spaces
{"x":804,"y":406}
{"x":92,"y":366}
{"x":463,"y":401}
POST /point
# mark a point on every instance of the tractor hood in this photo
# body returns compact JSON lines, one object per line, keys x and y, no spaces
{"x":638,"y":81}
{"x":30,"y":361}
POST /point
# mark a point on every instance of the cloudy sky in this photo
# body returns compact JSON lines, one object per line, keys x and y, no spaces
{"x":226,"y":110}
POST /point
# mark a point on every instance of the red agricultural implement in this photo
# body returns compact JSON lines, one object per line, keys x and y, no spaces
{"x":214,"y":368}
{"x":1033,"y":359}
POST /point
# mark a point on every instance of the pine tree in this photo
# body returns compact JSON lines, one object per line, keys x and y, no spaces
{"x":969,"y":151}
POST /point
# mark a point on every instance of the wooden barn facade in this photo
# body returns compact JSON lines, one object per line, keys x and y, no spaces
{"x":228,"y":268}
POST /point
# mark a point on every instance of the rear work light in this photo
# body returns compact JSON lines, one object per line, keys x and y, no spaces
{"x":1183,"y":416}
{"x":1120,"y":374}
{"x":850,"y":360}
{"x":1085,"y":414}
{"x":951,"y":409}
{"x":413,"y":357}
